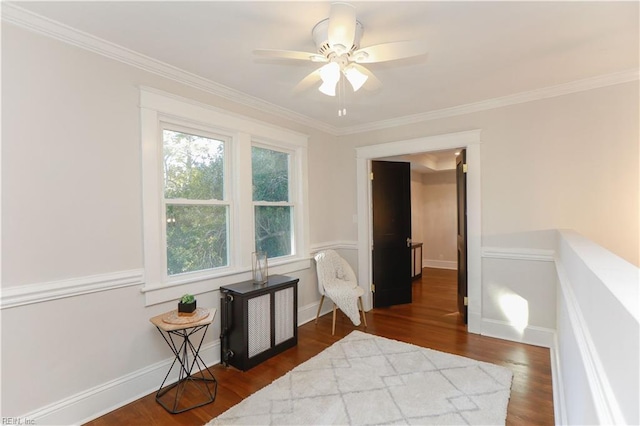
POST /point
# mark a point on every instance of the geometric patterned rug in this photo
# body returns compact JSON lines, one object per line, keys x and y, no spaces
{"x":366,"y":379}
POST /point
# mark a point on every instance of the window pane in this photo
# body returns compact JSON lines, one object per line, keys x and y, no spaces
{"x":193,"y":166}
{"x":273,"y":230}
{"x":196,"y":238}
{"x":270,"y":174}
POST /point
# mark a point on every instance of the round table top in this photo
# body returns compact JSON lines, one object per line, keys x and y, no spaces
{"x":170,"y":321}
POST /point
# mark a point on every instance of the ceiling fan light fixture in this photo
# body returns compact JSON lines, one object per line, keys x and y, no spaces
{"x":328,"y":89}
{"x":356,"y":77}
{"x":330,"y":75}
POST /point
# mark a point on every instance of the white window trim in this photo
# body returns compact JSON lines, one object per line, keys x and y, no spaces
{"x":227,"y":199}
{"x":293,"y":199}
{"x":158,"y":108}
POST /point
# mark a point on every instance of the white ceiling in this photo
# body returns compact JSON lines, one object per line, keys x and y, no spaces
{"x":477,"y":50}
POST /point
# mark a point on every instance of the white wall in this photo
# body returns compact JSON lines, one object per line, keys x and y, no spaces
{"x":440,"y":219}
{"x":72,"y":221}
{"x":598,"y":334}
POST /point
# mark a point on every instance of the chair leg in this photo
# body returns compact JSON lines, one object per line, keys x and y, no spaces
{"x":333,"y":327}
{"x":364,"y":317}
{"x":319,"y":307}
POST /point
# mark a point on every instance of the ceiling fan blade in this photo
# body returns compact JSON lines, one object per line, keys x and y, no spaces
{"x":289,"y":54}
{"x":389,"y":51}
{"x":342,"y":26}
{"x":310,"y":80}
{"x":372,"y":83}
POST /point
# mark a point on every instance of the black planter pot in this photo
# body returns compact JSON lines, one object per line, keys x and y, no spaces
{"x":186,"y":308}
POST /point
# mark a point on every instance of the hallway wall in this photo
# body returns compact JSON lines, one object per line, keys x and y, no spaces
{"x":440,"y":219}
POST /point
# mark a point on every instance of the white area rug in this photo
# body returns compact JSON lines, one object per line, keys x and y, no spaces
{"x":365,"y":379}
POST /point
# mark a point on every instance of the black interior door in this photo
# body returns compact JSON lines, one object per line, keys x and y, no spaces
{"x":461,"y":185}
{"x":391,"y":197}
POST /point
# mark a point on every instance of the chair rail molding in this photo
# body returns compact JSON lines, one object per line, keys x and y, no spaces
{"x":540,"y":255}
{"x":11,"y":297}
{"x":334,"y":245}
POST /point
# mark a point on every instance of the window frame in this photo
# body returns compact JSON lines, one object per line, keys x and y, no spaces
{"x":158,"y":109}
{"x":293,"y":199}
{"x":227,"y":197}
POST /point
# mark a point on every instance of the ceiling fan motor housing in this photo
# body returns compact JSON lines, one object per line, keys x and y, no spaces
{"x":320,"y":35}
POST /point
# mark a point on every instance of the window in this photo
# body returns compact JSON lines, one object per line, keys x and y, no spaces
{"x":216,"y":187}
{"x":272,"y":202}
{"x":197,"y":217}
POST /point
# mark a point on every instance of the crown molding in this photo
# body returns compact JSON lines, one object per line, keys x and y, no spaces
{"x":517,"y":98}
{"x":13,"y":14}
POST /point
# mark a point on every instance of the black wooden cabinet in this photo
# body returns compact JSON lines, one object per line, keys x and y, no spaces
{"x":258,"y":320}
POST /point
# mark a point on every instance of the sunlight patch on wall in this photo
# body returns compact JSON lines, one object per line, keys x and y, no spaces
{"x":516,"y":309}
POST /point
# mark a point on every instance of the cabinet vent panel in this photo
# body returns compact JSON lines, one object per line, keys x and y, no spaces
{"x":284,"y":315}
{"x":259,"y":322}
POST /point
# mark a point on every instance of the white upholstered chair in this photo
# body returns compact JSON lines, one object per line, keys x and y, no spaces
{"x":337,"y":281}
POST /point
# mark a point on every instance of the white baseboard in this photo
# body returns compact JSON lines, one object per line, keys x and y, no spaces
{"x":308,"y":313}
{"x":474,"y":322}
{"x":531,"y":335}
{"x":439,"y":264}
{"x":559,"y":408}
{"x":99,"y":400}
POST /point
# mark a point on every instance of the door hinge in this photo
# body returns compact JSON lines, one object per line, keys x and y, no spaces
{"x":373,"y":288}
{"x":464,"y":168}
{"x":371,"y":176}
{"x":466,"y":301}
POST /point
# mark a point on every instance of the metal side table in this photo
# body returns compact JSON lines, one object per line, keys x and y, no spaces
{"x":177,"y":331}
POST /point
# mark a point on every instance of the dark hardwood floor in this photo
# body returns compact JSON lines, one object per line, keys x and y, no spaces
{"x":430,"y":321}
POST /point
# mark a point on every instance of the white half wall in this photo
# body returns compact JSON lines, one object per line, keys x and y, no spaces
{"x":598,"y":334}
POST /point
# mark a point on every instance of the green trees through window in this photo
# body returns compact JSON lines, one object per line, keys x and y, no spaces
{"x":271,"y":197}
{"x":196,"y":213}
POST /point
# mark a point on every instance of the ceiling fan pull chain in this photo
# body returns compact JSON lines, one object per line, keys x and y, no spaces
{"x":342,"y":110}
{"x":339,"y":88}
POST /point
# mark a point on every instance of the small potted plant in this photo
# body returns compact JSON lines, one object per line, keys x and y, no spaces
{"x":187,"y":305}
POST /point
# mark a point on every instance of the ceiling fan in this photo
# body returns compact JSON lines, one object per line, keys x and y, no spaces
{"x":337,"y":39}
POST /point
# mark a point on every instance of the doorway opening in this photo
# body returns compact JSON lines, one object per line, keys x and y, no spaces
{"x":470,"y":141}
{"x":438,"y":223}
